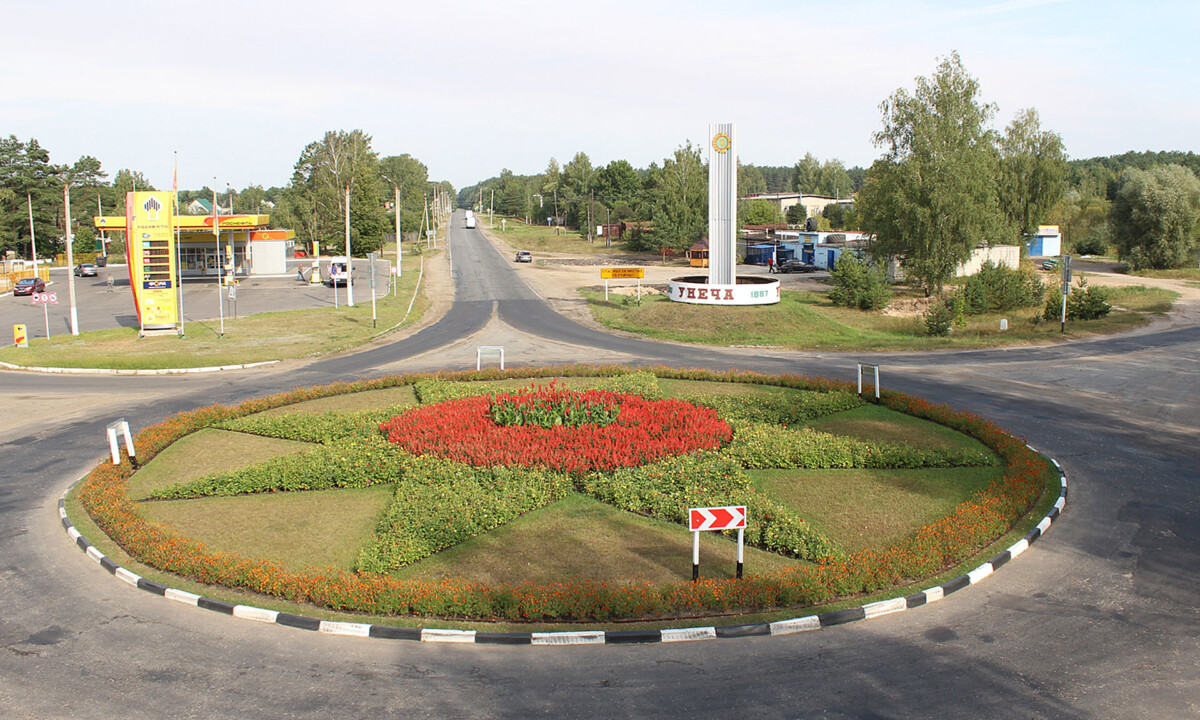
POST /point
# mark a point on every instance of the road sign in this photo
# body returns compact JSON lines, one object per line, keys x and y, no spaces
{"x":48,"y":298}
{"x":729,"y":517}
{"x":20,"y":336}
{"x":622,"y":273}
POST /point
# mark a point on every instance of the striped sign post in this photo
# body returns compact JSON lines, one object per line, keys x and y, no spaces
{"x":706,"y":519}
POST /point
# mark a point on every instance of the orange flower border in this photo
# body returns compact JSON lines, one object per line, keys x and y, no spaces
{"x":931,"y":549}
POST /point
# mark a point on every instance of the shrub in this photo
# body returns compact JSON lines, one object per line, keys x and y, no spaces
{"x":858,"y":285}
{"x":996,"y":288}
{"x":789,"y":408}
{"x":939,"y":318}
{"x":1087,"y":302}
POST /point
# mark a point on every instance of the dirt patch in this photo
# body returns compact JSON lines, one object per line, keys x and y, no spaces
{"x":909,"y":307}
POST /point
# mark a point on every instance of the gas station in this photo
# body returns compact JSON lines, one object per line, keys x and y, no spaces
{"x":162,"y":248}
{"x":245,"y":242}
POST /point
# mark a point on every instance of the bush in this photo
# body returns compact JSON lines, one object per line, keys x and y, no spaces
{"x":1095,"y":243}
{"x":790,"y":408}
{"x":939,"y":318}
{"x":858,"y":285}
{"x":1086,"y":302}
{"x":996,"y":288}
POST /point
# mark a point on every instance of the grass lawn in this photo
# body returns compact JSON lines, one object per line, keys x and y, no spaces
{"x":1140,"y":298}
{"x":254,"y":338}
{"x":543,"y":239}
{"x":1188,"y":273}
{"x":809,"y":321}
{"x":859,"y":509}
{"x":204,"y":453}
{"x":349,"y":402}
{"x":579,"y":537}
{"x":878,"y":424}
{"x":323,"y":528}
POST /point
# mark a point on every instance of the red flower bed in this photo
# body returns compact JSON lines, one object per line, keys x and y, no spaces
{"x":644,"y":431}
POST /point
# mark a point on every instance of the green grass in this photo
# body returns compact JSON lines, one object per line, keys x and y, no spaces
{"x":1140,"y":298}
{"x":323,"y":528}
{"x":579,"y":537}
{"x":204,"y":453}
{"x":873,"y":423}
{"x":860,"y":509}
{"x":1189,"y":273}
{"x":349,"y":402}
{"x":255,"y":338}
{"x":543,"y":239}
{"x":809,"y":321}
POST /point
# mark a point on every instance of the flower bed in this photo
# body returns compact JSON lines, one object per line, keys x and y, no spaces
{"x":557,"y":428}
{"x":934,"y":547}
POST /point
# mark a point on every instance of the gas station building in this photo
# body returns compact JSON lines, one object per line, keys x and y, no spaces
{"x":248,"y":246}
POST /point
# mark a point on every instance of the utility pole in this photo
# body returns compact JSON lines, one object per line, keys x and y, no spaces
{"x":70,"y":258}
{"x":32,"y":238}
{"x":349,"y":259}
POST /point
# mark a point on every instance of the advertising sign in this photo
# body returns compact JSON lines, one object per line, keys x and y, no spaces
{"x":152,"y":269}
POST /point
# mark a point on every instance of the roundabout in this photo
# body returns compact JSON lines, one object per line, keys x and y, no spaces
{"x":475,"y":455}
{"x":1094,"y":612}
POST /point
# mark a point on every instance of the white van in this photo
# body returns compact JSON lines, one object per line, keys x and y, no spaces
{"x":336,"y":271}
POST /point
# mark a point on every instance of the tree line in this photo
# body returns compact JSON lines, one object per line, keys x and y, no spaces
{"x":667,"y":202}
{"x":312,"y":203}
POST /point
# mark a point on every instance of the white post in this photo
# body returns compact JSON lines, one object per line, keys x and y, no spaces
{"x":605,"y":291}
{"x":32,"y":237}
{"x":399,"y":266}
{"x":70,"y":259}
{"x":695,"y":555}
{"x":349,"y":259}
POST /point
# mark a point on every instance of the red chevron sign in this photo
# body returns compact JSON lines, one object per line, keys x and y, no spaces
{"x":730,"y":517}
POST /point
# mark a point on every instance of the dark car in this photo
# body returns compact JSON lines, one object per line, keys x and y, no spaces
{"x":795,"y":266}
{"x":85,"y":270}
{"x":524,"y":256}
{"x":29,"y":286}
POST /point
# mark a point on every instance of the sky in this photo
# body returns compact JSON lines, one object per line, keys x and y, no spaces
{"x":235,"y":90}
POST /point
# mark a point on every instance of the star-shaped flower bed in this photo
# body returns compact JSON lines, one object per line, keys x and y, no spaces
{"x":471,"y":459}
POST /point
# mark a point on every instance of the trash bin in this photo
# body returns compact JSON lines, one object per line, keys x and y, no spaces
{"x":101,"y":261}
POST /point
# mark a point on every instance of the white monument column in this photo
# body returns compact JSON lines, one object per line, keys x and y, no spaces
{"x":722,"y":204}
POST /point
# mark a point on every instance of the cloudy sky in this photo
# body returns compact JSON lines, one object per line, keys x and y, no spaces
{"x":239,"y":88}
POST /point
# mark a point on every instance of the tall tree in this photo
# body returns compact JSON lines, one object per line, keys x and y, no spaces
{"x":26,"y":174}
{"x":933,"y":197}
{"x":325,"y":169}
{"x":681,"y":207}
{"x":1156,"y":217}
{"x":618,"y":187}
{"x":578,"y":182}
{"x":412,"y":177}
{"x":1033,"y":171}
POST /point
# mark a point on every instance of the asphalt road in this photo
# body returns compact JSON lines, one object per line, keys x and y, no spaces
{"x":1099,"y":620}
{"x":97,"y":308}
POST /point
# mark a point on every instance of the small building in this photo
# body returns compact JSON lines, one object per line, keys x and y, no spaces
{"x":698,"y":254}
{"x":1046,"y":242}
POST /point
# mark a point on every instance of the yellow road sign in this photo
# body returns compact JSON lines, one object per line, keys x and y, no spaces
{"x":622,"y":273}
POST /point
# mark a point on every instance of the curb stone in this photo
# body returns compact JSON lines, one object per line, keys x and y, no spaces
{"x":114,"y":371}
{"x":579,"y":637}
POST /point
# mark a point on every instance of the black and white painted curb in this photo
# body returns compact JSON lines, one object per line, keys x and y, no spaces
{"x":579,"y":637}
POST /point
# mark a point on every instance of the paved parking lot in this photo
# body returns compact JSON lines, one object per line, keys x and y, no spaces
{"x":99,"y":309}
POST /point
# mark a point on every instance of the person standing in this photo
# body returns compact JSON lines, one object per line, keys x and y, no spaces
{"x":770,"y":263}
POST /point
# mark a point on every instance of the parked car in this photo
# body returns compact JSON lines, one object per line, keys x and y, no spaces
{"x":85,"y":270}
{"x":29,"y":286}
{"x":524,"y":256}
{"x":1050,"y":264}
{"x":335,"y":272}
{"x":795,"y":266}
